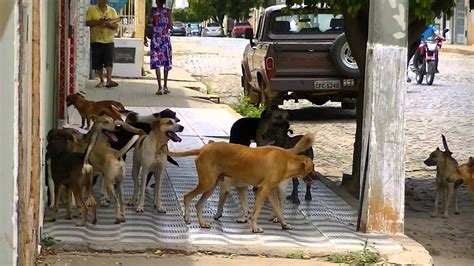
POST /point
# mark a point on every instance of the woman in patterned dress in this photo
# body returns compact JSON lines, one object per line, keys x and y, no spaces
{"x":160,"y":51}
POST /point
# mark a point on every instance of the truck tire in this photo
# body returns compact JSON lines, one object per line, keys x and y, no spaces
{"x":342,"y":58}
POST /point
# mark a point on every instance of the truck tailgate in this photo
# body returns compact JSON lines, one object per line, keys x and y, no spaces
{"x":302,"y":59}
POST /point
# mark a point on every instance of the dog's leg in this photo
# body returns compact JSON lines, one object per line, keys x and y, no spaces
{"x":50,"y":185}
{"x":456,"y":208}
{"x":111,"y":190}
{"x":57,"y":193}
{"x":201,"y":187}
{"x":449,"y":194}
{"x":158,"y":185}
{"x":120,"y":199}
{"x":69,"y":214}
{"x":224,"y":191}
{"x":260,"y":198}
{"x":136,"y":182}
{"x":293,"y":197}
{"x":91,"y":199}
{"x":200,"y":206}
{"x":141,"y":191}
{"x":77,"y":190}
{"x":104,"y":200}
{"x":435,"y":209}
{"x":243,"y":194}
{"x":277,"y":208}
{"x":308,"y":193}
{"x":280,"y":190}
{"x":83,"y":121}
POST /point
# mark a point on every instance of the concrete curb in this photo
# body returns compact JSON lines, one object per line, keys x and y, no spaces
{"x":456,"y":50}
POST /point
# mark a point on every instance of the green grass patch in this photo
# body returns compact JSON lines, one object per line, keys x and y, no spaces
{"x":359,"y":257}
{"x":246,"y":109}
{"x":49,"y":241}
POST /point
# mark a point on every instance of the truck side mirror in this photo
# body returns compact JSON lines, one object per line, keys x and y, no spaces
{"x":249,"y":34}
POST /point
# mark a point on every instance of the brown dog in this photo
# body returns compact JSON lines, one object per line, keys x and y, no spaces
{"x":70,"y":169}
{"x":75,"y":143}
{"x":466,"y":171}
{"x":88,"y":108}
{"x":446,"y":177}
{"x":262,"y":167}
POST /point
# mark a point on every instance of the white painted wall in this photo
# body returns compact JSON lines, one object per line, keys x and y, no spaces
{"x":82,"y":56}
{"x":9,"y":132}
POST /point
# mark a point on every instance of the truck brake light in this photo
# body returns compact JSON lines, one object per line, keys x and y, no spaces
{"x":270,"y":67}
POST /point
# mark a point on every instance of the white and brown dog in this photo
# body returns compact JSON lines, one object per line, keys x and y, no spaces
{"x":149,"y":158}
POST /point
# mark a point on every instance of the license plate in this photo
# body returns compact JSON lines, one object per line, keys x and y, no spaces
{"x":327,"y":84}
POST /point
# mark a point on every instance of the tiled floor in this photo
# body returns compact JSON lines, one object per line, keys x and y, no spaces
{"x":325,"y":222}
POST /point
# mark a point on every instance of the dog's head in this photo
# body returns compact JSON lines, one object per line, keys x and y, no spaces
{"x":307,"y":169}
{"x":71,"y":99}
{"x":276,"y":127}
{"x":167,"y":113}
{"x":168,"y":127}
{"x":105,"y":124}
{"x":58,"y":144}
{"x":435,"y":157}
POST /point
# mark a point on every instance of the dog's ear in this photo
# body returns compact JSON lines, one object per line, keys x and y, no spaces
{"x":263,"y":114}
{"x":437,"y":148}
{"x":471,"y":161}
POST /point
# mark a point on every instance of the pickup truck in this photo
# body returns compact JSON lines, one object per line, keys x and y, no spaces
{"x":299,"y":55}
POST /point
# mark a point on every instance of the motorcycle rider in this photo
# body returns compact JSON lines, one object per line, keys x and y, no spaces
{"x":430,"y":32}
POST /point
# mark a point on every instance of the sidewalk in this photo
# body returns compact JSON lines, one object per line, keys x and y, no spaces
{"x":186,"y":92}
{"x":459,"y":49}
{"x":321,"y":227}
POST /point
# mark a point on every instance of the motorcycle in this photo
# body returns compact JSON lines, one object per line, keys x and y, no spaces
{"x":426,"y":63}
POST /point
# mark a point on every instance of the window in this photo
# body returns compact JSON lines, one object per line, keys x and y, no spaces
{"x":307,"y":24}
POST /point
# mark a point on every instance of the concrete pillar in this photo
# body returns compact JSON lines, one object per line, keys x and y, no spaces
{"x":382,"y":164}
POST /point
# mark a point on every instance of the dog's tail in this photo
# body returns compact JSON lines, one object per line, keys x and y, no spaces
{"x":303,"y":144}
{"x":194,"y":152}
{"x":445,"y":144}
{"x":127,"y":147}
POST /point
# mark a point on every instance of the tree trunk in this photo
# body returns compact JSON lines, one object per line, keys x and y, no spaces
{"x":357,"y":34}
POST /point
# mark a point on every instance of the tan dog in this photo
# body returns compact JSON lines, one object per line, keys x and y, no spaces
{"x":262,"y":167}
{"x":149,"y":158}
{"x":446,"y":176}
{"x":108,"y":161}
{"x":466,"y":171}
{"x":88,"y":108}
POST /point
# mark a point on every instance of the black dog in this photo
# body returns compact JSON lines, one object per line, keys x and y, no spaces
{"x":246,"y":129}
{"x":281,"y":138}
{"x":143,"y":123}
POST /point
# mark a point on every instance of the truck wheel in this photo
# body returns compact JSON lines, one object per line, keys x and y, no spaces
{"x":342,"y":57}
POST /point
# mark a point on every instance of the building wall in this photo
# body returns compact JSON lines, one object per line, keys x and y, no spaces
{"x":82,"y":55}
{"x":9,"y":44}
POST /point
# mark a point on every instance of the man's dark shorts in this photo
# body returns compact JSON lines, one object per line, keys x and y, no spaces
{"x":102,"y":55}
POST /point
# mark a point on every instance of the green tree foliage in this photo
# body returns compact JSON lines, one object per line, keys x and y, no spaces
{"x":217,"y":9}
{"x":185,"y":15}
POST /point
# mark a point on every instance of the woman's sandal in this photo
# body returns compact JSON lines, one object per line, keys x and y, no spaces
{"x":159,"y":92}
{"x":166,"y":91}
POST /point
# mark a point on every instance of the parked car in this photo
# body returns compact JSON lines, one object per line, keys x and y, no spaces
{"x":178,"y":29}
{"x":212,"y":29}
{"x":238,"y":31}
{"x":195,"y":29}
{"x":299,"y":55}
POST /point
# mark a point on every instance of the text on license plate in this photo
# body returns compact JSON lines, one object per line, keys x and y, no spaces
{"x":327,"y":84}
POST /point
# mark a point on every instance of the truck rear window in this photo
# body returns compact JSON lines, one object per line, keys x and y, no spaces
{"x":307,"y":24}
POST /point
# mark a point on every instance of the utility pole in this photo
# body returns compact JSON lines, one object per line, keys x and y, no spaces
{"x":383,"y":137}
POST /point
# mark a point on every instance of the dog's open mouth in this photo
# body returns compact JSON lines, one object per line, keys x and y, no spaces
{"x":173,"y":136}
{"x":111,"y":136}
